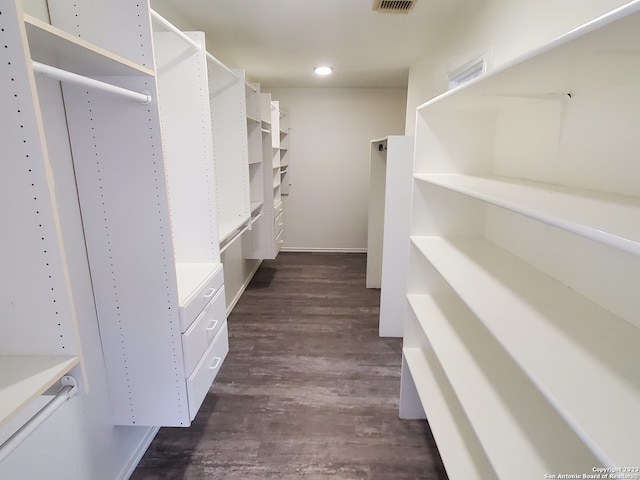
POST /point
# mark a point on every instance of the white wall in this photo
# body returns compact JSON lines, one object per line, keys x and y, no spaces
{"x":329,"y":147}
{"x":504,"y":28}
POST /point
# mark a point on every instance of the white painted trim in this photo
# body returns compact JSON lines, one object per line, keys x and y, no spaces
{"x":130,"y":467}
{"x":324,"y":250}
{"x":243,"y":288}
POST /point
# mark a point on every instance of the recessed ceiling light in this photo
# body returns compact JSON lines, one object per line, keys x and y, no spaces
{"x":323,"y":70}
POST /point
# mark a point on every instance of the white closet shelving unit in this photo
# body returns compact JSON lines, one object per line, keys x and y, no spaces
{"x":144,"y":294}
{"x":267,"y":234}
{"x":278,"y":214}
{"x":521,"y":341}
{"x":285,"y":179}
{"x":39,"y":344}
{"x":181,"y":66}
{"x":230,"y":151}
{"x":254,"y":147}
{"x":390,"y":180}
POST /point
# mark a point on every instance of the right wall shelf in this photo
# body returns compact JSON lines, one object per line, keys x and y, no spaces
{"x":522,"y":338}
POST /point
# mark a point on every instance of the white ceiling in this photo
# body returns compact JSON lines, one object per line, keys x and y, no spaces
{"x":279,"y":42}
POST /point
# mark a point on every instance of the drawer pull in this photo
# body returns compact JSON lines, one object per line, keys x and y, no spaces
{"x":216,"y":363}
{"x":212,"y":327}
{"x":211,"y":293}
{"x":280,"y":224}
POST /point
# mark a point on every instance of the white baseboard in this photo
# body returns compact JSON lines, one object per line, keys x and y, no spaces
{"x":323,"y":250}
{"x":129,"y":468}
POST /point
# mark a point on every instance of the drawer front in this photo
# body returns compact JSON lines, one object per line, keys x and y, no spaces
{"x":201,"y":379}
{"x":279,"y":218}
{"x":201,"y":298}
{"x":279,"y":222}
{"x":201,"y":333}
{"x":279,"y":240}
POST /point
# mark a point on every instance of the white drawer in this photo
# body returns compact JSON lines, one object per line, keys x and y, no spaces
{"x":200,"y":297}
{"x":279,"y":236}
{"x":201,"y":333}
{"x":201,"y":379}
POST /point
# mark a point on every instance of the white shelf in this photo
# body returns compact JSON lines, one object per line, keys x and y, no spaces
{"x":253,"y":120}
{"x":190,"y":276}
{"x":526,"y":214}
{"x":572,"y":63}
{"x":255,"y":206}
{"x":55,"y":47}
{"x":610,"y":219}
{"x":498,"y":399}
{"x":228,"y":229}
{"x":23,"y":378}
{"x":457,"y":444}
{"x":554,"y":335}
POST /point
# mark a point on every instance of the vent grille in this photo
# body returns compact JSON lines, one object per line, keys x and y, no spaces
{"x":393,"y":6}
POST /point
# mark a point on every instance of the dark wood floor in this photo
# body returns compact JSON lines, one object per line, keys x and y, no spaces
{"x":308,"y":390}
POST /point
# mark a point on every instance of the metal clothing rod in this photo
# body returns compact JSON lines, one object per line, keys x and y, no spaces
{"x":66,"y":392}
{"x":251,"y":87}
{"x":171,"y":27}
{"x":70,"y":77}
{"x":222,"y":65}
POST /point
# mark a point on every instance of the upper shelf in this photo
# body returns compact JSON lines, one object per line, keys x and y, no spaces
{"x":610,"y":219}
{"x":554,"y":334}
{"x":55,"y":47}
{"x":604,"y":50}
{"x":23,"y":378}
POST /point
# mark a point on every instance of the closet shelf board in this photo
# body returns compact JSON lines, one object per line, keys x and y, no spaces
{"x":554,"y":71}
{"x":556,"y":336}
{"x":498,"y":399}
{"x":227,"y":230}
{"x":613,"y":220}
{"x":457,"y":443}
{"x":255,"y":206}
{"x":23,"y":378}
{"x":190,"y":276}
{"x":55,"y":47}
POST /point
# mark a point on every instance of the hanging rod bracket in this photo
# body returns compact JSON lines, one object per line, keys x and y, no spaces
{"x":69,"y":381}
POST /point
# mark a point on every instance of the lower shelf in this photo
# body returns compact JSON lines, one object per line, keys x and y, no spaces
{"x":23,"y":378}
{"x":498,"y":399}
{"x":581,"y":357}
{"x":458,"y":445}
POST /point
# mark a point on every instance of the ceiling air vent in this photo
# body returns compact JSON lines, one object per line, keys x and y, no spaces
{"x":393,"y":6}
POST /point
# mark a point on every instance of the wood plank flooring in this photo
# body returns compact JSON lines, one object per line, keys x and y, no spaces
{"x":308,"y":390}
